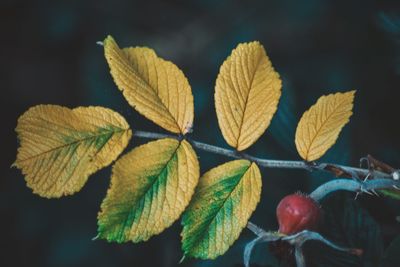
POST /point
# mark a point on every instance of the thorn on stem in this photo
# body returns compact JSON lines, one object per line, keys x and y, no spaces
{"x":182,"y":259}
{"x":367,"y":192}
{"x":367,"y":177}
{"x":375,"y":193}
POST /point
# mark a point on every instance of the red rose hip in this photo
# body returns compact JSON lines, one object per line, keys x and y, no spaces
{"x":297,"y":212}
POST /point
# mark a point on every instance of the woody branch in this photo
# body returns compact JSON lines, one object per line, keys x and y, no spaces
{"x":336,"y":169}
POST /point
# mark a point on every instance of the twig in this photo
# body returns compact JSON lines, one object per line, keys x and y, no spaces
{"x":338,"y":170}
{"x":380,"y":180}
{"x":297,"y":240}
{"x":354,"y":186}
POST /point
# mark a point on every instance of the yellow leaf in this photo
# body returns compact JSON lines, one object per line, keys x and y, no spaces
{"x":247,"y":93}
{"x":319,"y":127}
{"x":150,"y":188}
{"x":61,"y":147}
{"x":154,"y":87}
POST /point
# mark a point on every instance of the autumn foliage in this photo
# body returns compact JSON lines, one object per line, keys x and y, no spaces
{"x":155,"y":184}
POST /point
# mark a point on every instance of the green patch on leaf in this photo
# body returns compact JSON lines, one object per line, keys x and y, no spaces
{"x":150,"y":188}
{"x":224,"y":201}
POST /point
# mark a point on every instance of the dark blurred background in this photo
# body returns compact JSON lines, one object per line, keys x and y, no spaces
{"x":49,"y":56}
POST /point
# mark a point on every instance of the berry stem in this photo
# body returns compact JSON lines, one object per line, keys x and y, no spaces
{"x":297,"y":240}
{"x":358,"y":184}
{"x":367,"y":186}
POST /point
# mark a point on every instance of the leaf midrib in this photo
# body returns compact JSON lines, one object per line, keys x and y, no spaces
{"x":74,"y":142}
{"x":219,"y":209}
{"x":148,"y":188}
{"x":247,"y":99}
{"x":319,"y":130}
{"x":151,"y":87}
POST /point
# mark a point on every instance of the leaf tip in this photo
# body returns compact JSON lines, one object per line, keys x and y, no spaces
{"x":109,"y":38}
{"x":351,"y":94}
{"x":254,"y":43}
{"x":109,"y":42}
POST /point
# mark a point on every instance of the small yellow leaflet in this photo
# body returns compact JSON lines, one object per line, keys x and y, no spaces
{"x":319,"y":127}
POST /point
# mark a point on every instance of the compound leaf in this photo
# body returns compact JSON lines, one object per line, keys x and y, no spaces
{"x":61,"y":147}
{"x":319,"y":127}
{"x":247,"y":93}
{"x":224,"y":201}
{"x":154,"y":87}
{"x":150,"y":188}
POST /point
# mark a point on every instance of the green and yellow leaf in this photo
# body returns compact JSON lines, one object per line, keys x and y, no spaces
{"x":150,"y":188}
{"x":319,"y":127}
{"x":156,"y":88}
{"x":247,"y":93}
{"x":223,"y":203}
{"x":61,"y":147}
